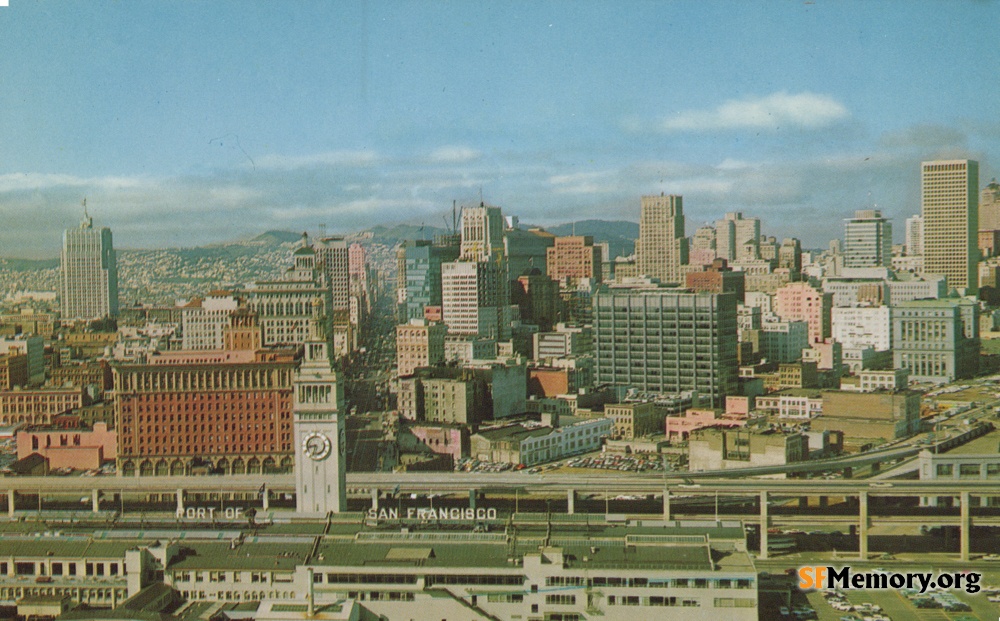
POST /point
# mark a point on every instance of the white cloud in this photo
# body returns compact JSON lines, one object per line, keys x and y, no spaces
{"x":802,"y":110}
{"x":330,"y":158}
{"x":19,"y":182}
{"x":454,"y":154}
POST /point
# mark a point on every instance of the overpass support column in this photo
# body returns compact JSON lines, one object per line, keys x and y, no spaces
{"x":965,"y":527}
{"x":666,"y":504}
{"x":95,"y":502}
{"x":863,"y":525}
{"x":824,"y":501}
{"x":764,"y":523}
{"x":571,"y":501}
{"x":265,"y":497}
{"x":180,"y":502}
{"x":473,"y":494}
{"x":374,"y":492}
{"x":11,"y":495}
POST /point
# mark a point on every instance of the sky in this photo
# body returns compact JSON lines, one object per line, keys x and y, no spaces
{"x":188,"y":123}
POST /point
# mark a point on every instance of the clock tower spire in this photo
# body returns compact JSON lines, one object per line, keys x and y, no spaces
{"x":320,"y":471}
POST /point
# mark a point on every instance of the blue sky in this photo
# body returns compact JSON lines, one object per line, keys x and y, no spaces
{"x":186,"y":123}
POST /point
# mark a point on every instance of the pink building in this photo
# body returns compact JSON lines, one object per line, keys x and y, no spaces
{"x":357,"y":260}
{"x":680,"y":427}
{"x":82,"y":449}
{"x":798,"y":301}
{"x":450,"y":440}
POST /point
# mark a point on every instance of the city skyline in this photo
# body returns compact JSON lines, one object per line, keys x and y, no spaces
{"x":192,"y":124}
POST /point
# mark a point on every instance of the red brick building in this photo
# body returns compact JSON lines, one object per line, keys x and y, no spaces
{"x":227,"y":411}
{"x":572,"y":258}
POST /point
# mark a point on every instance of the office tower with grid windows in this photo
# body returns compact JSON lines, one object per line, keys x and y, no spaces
{"x":949,"y":197}
{"x":867,"y":240}
{"x":662,"y":247}
{"x":89,"y":272}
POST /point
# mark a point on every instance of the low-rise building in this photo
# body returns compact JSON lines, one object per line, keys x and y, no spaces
{"x":869,"y":416}
{"x":635,"y":419}
{"x":725,"y":449}
{"x":536,"y":444}
{"x":81,"y":449}
{"x":679,"y":428}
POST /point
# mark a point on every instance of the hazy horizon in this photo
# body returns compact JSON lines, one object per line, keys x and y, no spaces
{"x":187,"y":124}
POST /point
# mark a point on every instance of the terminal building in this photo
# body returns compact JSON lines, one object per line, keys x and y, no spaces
{"x":531,"y":567}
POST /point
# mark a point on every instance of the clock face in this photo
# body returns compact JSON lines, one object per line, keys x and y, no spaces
{"x":316,"y":446}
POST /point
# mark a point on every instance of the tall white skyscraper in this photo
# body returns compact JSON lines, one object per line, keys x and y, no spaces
{"x":662,"y":247}
{"x":737,"y":238}
{"x":482,"y":233}
{"x":89,"y":272}
{"x":867,"y":240}
{"x":915,"y":235}
{"x":949,"y":198}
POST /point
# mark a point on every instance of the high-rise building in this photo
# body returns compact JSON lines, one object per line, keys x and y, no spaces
{"x":473,"y":295}
{"x":482,"y":233}
{"x":89,"y":272}
{"x":204,"y":320}
{"x":573,"y":258}
{"x":662,"y":247}
{"x":949,"y":197}
{"x":667,"y":340}
{"x":419,"y":343}
{"x":799,"y":301}
{"x":737,"y":238}
{"x":333,"y":261}
{"x":867,"y":240}
{"x":420,"y":268}
{"x":989,"y":207}
{"x":915,"y":235}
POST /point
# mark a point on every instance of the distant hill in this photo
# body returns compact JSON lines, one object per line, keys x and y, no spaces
{"x":619,"y":234}
{"x":277,"y":237}
{"x":28,"y":265}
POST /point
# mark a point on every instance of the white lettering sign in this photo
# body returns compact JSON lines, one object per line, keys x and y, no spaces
{"x":209,"y":513}
{"x":430,"y":513}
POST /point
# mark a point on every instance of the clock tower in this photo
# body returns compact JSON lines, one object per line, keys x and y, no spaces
{"x":320,"y":471}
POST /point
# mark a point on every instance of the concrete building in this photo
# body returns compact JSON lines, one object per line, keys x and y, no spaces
{"x":79,"y":448}
{"x":33,"y":348}
{"x":801,"y":403}
{"x":204,"y":320}
{"x":572,"y":258}
{"x":633,"y":570}
{"x":867,"y":240}
{"x":38,"y":406}
{"x":798,"y":301}
{"x":781,"y":341}
{"x":472,"y":298}
{"x":27,"y":320}
{"x":419,"y":343}
{"x":907,"y":287}
{"x":949,"y":200}
{"x":889,"y":379}
{"x":989,"y":207}
{"x":737,"y":238}
{"x":929,"y":341}
{"x":634,"y":419}
{"x":88,"y":272}
{"x":465,"y":395}
{"x":860,"y":327}
{"x":862,"y":417}
{"x":667,"y":341}
{"x":537,"y":298}
{"x":915,"y":236}
{"x":959,"y":466}
{"x":284,"y":307}
{"x":333,"y":261}
{"x":533,"y":445}
{"x":662,"y":247}
{"x":526,"y":250}
{"x":482,"y":234}
{"x":717,"y":278}
{"x":680,"y":427}
{"x":725,"y":449}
